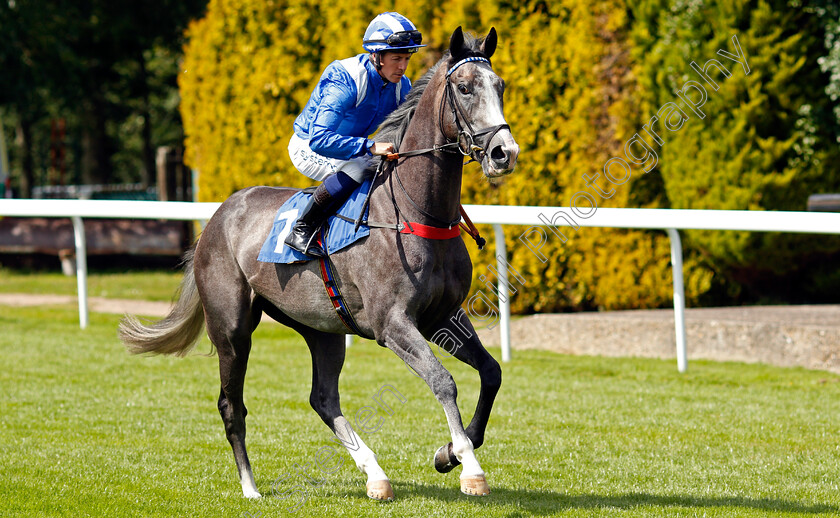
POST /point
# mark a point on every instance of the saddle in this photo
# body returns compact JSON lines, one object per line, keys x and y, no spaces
{"x":340,"y":230}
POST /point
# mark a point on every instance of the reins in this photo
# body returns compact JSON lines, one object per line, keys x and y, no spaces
{"x":425,"y":231}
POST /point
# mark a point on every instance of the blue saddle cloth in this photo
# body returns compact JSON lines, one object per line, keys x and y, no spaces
{"x":340,"y":233}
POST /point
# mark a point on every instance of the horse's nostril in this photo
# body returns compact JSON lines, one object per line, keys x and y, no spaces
{"x":498,"y":154}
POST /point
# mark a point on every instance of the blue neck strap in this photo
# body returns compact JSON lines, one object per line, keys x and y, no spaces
{"x":466,"y":60}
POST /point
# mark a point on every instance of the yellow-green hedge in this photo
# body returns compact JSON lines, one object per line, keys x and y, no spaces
{"x":570,"y":100}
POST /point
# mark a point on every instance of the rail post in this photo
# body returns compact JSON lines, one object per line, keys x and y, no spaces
{"x":504,"y":296}
{"x":81,"y":269}
{"x":679,"y":297}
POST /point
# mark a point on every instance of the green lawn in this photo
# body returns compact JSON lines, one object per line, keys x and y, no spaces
{"x":158,"y":285}
{"x":87,"y":430}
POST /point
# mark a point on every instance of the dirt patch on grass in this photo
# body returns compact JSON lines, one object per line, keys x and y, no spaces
{"x":95,"y":304}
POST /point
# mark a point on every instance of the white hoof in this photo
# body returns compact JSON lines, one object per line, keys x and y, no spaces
{"x":474,"y":485}
{"x":380,"y":490}
{"x":251,"y":493}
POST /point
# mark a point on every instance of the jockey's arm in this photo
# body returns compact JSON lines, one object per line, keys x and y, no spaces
{"x":336,"y":100}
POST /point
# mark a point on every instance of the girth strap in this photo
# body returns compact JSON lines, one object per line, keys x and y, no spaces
{"x":337,"y":299}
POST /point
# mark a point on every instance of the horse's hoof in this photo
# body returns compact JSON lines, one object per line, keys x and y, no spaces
{"x":475,"y":485}
{"x":380,"y":490}
{"x":250,"y":493}
{"x":445,"y":460}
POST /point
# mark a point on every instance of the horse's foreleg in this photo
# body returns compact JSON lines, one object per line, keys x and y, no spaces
{"x":378,"y":485}
{"x":327,"y":360}
{"x":407,"y":342}
{"x":465,"y":346}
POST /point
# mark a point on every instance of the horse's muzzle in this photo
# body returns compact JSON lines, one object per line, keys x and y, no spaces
{"x":502,"y":152}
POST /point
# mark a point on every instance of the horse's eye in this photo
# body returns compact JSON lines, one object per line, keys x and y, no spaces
{"x":463,"y":89}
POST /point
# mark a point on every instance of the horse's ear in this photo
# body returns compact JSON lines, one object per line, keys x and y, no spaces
{"x":488,"y":46}
{"x":456,"y":43}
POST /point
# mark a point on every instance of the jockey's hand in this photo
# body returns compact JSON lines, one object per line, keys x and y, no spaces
{"x":382,"y":148}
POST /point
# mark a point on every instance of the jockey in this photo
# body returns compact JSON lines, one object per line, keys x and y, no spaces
{"x":352,"y":98}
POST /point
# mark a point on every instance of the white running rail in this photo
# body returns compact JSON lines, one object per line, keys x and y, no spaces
{"x":669,"y":220}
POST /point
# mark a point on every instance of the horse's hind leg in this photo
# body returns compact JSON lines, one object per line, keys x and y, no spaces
{"x":328,"y":351}
{"x":232,"y":409}
{"x":231,"y":317}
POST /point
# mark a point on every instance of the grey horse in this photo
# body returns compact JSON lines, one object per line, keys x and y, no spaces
{"x":402,"y":289}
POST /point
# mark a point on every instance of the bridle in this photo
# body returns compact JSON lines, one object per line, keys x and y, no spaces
{"x":465,"y":143}
{"x":467,"y":138}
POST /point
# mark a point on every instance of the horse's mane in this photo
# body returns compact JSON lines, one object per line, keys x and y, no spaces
{"x":394,"y":126}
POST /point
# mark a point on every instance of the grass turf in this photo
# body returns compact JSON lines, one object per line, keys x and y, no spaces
{"x":89,"y":431}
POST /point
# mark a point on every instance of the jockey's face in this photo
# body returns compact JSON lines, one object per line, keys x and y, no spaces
{"x":394,"y":65}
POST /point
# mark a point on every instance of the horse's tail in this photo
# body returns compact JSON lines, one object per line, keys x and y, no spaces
{"x":179,"y":331}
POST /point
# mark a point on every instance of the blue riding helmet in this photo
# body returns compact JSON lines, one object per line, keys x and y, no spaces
{"x":392,"y":31}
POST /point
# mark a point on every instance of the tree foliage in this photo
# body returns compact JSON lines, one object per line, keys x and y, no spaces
{"x":767,"y":142}
{"x":107,"y":68}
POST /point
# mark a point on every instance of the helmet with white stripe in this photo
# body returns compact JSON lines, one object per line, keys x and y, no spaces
{"x":392,"y":32}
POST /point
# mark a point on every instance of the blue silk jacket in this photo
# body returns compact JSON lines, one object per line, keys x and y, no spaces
{"x":348,"y":104}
